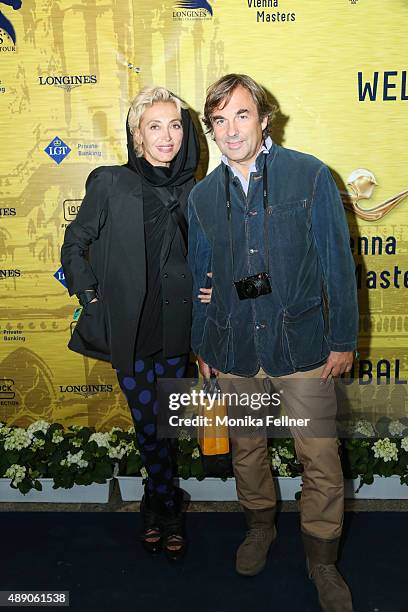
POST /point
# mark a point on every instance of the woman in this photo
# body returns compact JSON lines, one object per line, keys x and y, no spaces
{"x":125,"y":258}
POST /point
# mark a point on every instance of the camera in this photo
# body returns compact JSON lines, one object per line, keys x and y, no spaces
{"x":253,"y":286}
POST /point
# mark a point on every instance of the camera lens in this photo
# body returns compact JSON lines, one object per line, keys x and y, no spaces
{"x":251,"y":289}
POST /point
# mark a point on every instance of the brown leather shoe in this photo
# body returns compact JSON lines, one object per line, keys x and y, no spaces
{"x":252,"y":553}
{"x":334,"y":594}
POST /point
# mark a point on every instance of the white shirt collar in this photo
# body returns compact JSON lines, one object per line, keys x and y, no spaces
{"x":265,"y":148}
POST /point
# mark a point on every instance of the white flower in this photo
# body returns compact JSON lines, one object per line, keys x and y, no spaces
{"x":131,"y":430}
{"x":4,"y":432}
{"x":183,"y":435}
{"x":76,"y":442}
{"x":57,"y":436}
{"x":117,"y":452}
{"x":18,"y":438}
{"x":396,"y":429}
{"x":75,"y":458}
{"x":404,"y":443}
{"x":101,"y":439}
{"x":38,"y":426}
{"x":16,"y":473}
{"x":37,"y":443}
{"x":143,"y":472}
{"x":285,"y":452}
{"x":364,"y":428}
{"x":386,"y":450}
{"x":283,"y":470}
{"x":196,"y":453}
{"x":275,"y":459}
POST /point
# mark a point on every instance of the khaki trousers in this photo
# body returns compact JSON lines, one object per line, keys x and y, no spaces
{"x":322,"y":500}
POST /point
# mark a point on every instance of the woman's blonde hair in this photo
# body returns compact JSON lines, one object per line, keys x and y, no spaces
{"x":144,"y":99}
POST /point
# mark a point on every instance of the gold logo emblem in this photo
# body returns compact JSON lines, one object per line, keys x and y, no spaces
{"x":361,"y":185}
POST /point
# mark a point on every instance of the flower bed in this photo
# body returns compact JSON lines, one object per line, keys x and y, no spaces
{"x":76,"y":456}
{"x":81,"y":456}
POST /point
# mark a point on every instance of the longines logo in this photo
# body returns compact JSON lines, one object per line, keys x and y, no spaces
{"x":10,"y":273}
{"x":8,"y":212}
{"x":71,"y":208}
{"x":7,"y":31}
{"x":192,"y":10}
{"x":68,"y":82}
{"x":86,"y":390}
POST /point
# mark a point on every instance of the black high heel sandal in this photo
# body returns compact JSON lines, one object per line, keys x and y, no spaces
{"x":175,"y":546}
{"x":173,"y":535}
{"x":151,"y":537}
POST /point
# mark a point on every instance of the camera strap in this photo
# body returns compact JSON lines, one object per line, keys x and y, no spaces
{"x":266,"y":212}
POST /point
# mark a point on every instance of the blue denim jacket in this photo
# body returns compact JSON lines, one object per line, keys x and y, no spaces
{"x":312,"y":308}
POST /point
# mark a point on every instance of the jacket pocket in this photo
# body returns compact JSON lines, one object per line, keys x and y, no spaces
{"x":216,"y":346}
{"x":91,"y":329}
{"x":288,"y":208}
{"x":304,"y":328}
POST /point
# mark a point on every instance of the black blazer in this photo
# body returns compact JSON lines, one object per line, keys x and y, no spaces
{"x":104,"y":247}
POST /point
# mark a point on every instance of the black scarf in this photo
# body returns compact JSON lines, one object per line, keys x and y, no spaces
{"x":181,"y":168}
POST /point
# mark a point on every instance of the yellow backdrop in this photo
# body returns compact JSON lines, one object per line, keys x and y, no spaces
{"x":338,"y":72}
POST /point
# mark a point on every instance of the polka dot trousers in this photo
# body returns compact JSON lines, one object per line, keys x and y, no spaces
{"x":141,"y":393}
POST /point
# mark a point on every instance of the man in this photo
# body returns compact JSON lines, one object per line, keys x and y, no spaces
{"x":275,"y":216}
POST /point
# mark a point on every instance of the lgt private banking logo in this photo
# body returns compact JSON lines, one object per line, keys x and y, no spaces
{"x":191,"y":10}
{"x":60,"y":276}
{"x":57,"y":150}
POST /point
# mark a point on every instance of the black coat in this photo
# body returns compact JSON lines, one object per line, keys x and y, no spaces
{"x":104,"y":247}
